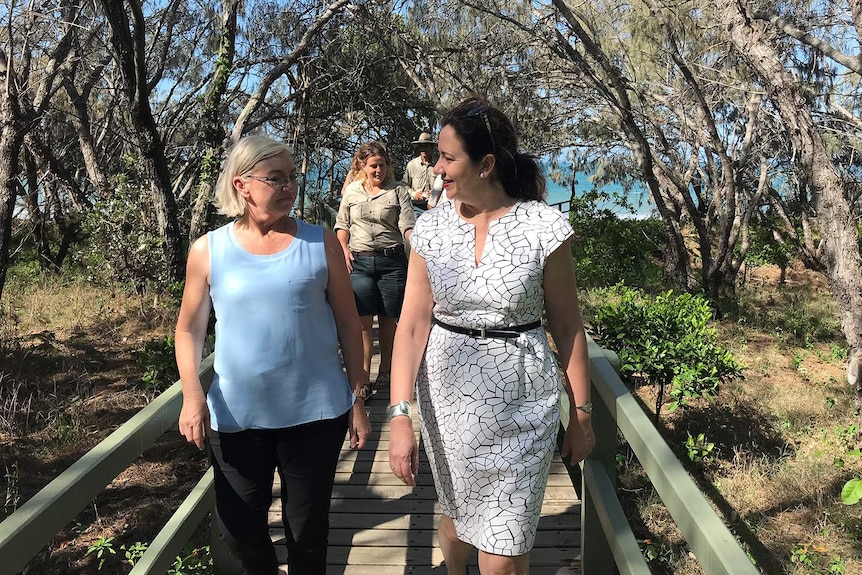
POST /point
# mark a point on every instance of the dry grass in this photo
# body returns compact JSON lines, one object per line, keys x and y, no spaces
{"x":786,"y":440}
{"x":69,"y":377}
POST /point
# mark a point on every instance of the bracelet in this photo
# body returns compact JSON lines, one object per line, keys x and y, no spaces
{"x":400,"y":408}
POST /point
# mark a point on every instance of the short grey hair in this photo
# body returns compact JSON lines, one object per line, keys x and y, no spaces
{"x":241,"y":158}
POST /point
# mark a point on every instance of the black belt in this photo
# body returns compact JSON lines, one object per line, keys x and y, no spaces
{"x":511,"y":331}
{"x":384,"y":252}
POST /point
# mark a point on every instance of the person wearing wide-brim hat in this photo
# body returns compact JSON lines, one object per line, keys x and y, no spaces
{"x":419,"y":173}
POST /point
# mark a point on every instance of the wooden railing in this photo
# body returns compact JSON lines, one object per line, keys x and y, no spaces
{"x":608,"y":542}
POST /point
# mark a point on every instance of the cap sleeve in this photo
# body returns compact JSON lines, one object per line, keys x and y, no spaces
{"x":555,"y":230}
{"x":419,"y":237}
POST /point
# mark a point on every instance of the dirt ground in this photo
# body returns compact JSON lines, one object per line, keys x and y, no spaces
{"x":69,"y":376}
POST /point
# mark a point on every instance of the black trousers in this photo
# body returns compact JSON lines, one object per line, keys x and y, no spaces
{"x":244,"y":462}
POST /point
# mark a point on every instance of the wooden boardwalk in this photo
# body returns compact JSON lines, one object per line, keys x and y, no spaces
{"x":378,"y":526}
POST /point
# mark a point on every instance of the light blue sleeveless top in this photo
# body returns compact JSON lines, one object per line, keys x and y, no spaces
{"x":276,"y":347}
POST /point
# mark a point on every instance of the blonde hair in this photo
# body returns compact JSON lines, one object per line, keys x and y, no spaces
{"x":366,"y":151}
{"x":241,"y":158}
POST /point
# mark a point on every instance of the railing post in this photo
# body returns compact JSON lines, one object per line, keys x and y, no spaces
{"x":596,"y":555}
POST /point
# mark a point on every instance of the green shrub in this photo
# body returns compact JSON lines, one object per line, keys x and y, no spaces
{"x":158,"y":362}
{"x":610,"y":250}
{"x":664,"y":340}
{"x":765,"y":248}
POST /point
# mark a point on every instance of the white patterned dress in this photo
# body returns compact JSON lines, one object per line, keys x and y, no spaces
{"x":489,"y":408}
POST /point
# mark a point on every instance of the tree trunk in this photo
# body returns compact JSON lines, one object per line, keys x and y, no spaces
{"x":10,"y":148}
{"x":35,"y":215}
{"x":211,"y":123}
{"x":616,"y":94}
{"x":835,"y":218}
{"x":129,"y":48}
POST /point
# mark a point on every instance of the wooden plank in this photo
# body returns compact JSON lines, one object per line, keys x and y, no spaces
{"x":379,"y":526}
{"x":394,"y":538}
{"x":430,"y":570}
{"x":426,"y":492}
{"x":384,"y":478}
{"x":426,"y":556}
{"x":566,"y":521}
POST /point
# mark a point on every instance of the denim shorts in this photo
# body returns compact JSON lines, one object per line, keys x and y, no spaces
{"x":378,"y":284}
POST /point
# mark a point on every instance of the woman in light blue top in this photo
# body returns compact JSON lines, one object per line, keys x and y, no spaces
{"x":280,"y":400}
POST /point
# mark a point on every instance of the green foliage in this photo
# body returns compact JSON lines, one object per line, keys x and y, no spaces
{"x":699,"y":448}
{"x":158,"y":363}
{"x":838,"y":353}
{"x":609,"y":250}
{"x":64,"y":429}
{"x":665,"y":340}
{"x":122,"y":237}
{"x":764,"y":248}
{"x":13,"y":497}
{"x":802,"y":554}
{"x":816,"y":559}
{"x":101,"y":549}
{"x":193,"y":560}
{"x":656,"y":552}
{"x":851,"y":493}
{"x":134,"y":552}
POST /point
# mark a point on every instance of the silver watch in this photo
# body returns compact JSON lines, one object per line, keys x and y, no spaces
{"x":586,"y":408}
{"x":400,"y":408}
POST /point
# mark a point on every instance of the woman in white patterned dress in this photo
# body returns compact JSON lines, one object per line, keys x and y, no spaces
{"x":484,"y":268}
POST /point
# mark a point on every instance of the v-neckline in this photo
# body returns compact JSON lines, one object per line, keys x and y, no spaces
{"x":477,"y":256}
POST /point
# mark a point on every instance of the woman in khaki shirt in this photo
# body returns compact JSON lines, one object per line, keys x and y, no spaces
{"x":375,"y":218}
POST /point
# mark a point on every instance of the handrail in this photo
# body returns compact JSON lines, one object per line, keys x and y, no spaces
{"x":710,"y":540}
{"x":31,"y":527}
{"x":608,"y":543}
{"x":162,"y":552}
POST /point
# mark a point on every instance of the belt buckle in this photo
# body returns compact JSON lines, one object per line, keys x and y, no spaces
{"x":482,"y":333}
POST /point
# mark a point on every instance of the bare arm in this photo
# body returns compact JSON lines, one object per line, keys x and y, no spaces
{"x":411,"y":337}
{"x":343,"y":238}
{"x":567,"y":329}
{"x":406,"y":217}
{"x":189,"y":341}
{"x":340,"y":295}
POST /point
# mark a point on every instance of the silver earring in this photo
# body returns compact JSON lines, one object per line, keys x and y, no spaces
{"x":482,"y":175}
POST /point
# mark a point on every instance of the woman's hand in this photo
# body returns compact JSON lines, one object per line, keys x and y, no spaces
{"x":579,"y":439}
{"x":195,"y":420}
{"x":348,"y":258}
{"x":403,"y":449}
{"x":358,"y":424}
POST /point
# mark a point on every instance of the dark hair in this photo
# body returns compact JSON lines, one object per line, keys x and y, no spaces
{"x":484,"y":130}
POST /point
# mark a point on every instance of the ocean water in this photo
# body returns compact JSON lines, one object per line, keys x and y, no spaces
{"x":639,"y":198}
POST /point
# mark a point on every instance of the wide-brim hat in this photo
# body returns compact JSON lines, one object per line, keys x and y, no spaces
{"x":425,"y":138}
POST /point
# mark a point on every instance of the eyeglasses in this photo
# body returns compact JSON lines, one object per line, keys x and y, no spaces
{"x":481,"y":110}
{"x":277,"y":181}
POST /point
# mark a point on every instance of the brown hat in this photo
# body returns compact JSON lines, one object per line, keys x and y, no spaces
{"x":425,"y":138}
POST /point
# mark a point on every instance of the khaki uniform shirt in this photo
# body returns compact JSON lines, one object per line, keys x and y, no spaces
{"x":375,"y":222}
{"x":419,"y":176}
